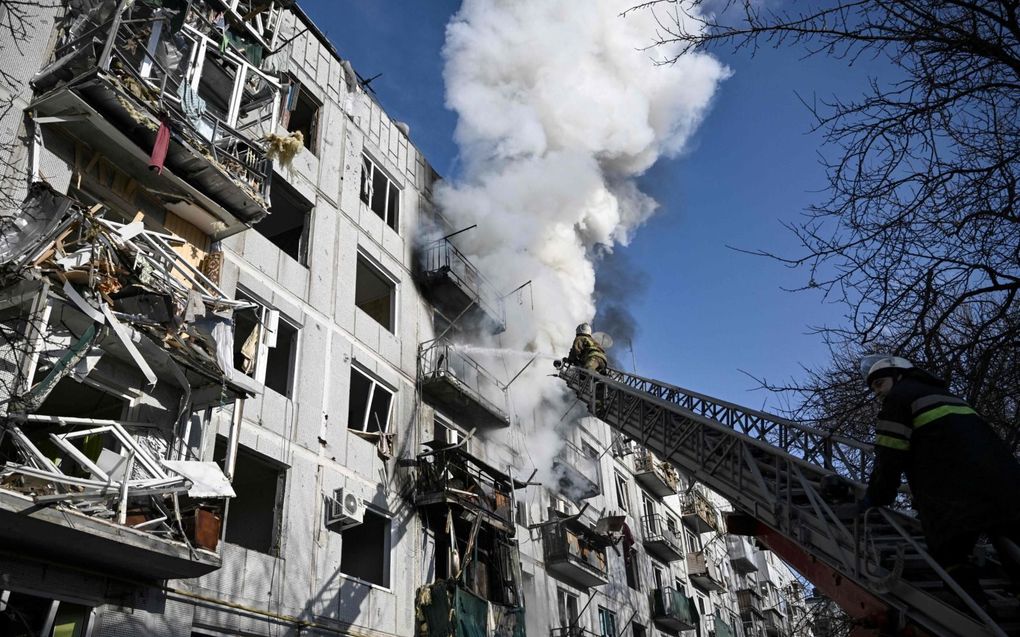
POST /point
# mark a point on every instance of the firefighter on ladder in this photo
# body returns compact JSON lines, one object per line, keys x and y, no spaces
{"x":586,"y":351}
{"x":963,"y":478}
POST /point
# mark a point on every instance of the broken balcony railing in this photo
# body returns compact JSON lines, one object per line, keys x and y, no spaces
{"x":458,"y":385}
{"x":453,"y":475}
{"x":459,"y":287}
{"x":144,"y":69}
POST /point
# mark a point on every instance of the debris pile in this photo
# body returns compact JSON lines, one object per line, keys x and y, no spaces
{"x":110,"y":306}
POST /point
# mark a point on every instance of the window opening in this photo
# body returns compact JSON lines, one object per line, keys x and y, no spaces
{"x":287,"y":224}
{"x":567,"y":604}
{"x":265,"y":346}
{"x":369,"y":408}
{"x":254,"y":520}
{"x":379,"y":193}
{"x":607,"y":622}
{"x":622,"y":496}
{"x":375,"y":293}
{"x":365,"y":550}
{"x":694,"y":542}
{"x":302,"y":114}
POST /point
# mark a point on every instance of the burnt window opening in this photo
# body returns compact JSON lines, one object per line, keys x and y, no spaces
{"x":255,"y":516}
{"x":302,"y":114}
{"x":23,"y":615}
{"x":380,"y":193}
{"x":365,"y":550}
{"x":265,"y":346}
{"x":490,"y":567}
{"x":375,"y":293}
{"x":288,"y":221}
{"x":369,"y":407}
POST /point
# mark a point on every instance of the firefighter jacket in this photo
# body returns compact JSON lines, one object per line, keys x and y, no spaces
{"x":584,"y":349}
{"x":962,"y":476}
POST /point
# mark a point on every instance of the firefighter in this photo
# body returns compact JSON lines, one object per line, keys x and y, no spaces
{"x":963,"y":478}
{"x":586,"y":352}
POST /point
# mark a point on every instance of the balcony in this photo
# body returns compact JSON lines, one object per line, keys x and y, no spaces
{"x":116,"y":85}
{"x":773,"y":622}
{"x":704,"y":572}
{"x":699,"y":513}
{"x":750,"y":604}
{"x":672,"y":610}
{"x":741,"y":555}
{"x":460,"y":387}
{"x":574,"y":553}
{"x":453,"y":476}
{"x":448,"y":609}
{"x":660,"y":541}
{"x":720,"y":626}
{"x":456,"y":286}
{"x":577,"y":475}
{"x":658,"y":477}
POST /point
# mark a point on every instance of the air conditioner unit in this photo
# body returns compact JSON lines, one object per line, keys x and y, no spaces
{"x":343,"y":511}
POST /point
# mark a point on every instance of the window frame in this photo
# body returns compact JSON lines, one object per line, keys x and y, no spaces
{"x":622,"y":492}
{"x":383,"y":274}
{"x":268,"y":319}
{"x":366,"y":191}
{"x":374,"y":383}
{"x":311,"y":141}
{"x":388,"y":546}
{"x":607,"y":619}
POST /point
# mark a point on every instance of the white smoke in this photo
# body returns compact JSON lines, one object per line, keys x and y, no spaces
{"x":560,"y":108}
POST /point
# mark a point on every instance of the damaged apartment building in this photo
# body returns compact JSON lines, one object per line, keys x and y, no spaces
{"x":233,"y":400}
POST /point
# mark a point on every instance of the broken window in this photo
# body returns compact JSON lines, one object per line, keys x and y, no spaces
{"x":375,"y":293}
{"x":265,"y":346}
{"x":379,"y":192}
{"x":622,"y":494}
{"x":302,"y":114}
{"x":369,"y":409}
{"x":23,"y":615}
{"x":694,"y":542}
{"x":567,"y":604}
{"x":365,"y":551}
{"x":288,"y":222}
{"x":254,"y":519}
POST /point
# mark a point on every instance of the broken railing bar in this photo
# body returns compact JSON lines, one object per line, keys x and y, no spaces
{"x":188,"y":269}
{"x":34,"y":455}
{"x":79,"y":457}
{"x":126,"y":439}
{"x":74,"y":421}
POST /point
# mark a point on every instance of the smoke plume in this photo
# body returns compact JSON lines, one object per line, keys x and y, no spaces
{"x":560,"y":108}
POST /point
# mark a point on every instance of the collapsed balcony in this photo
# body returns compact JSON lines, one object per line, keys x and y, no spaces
{"x":704,"y":572}
{"x":457,"y":287}
{"x":574,"y":552}
{"x":741,"y":555}
{"x":148,"y":84}
{"x":446,"y":608}
{"x":459,"y":386}
{"x":699,"y":513}
{"x":672,"y":610}
{"x":101,"y":320}
{"x":660,"y":540}
{"x":453,"y":476}
{"x":577,"y":475}
{"x":658,"y":477}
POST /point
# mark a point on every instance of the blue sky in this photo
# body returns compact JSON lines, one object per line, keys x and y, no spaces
{"x":708,"y":311}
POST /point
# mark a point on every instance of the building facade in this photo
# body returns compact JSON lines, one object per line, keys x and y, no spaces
{"x":236,"y":399}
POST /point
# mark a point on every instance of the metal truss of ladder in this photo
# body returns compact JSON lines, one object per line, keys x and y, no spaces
{"x":770,"y":469}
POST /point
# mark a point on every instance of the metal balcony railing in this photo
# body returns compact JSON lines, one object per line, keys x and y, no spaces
{"x":571,"y":552}
{"x":442,"y":259}
{"x":158,"y":63}
{"x":699,"y":513}
{"x":457,"y":381}
{"x":659,"y":539}
{"x":661,"y":478}
{"x":750,"y":604}
{"x":453,"y":475}
{"x":672,"y":609}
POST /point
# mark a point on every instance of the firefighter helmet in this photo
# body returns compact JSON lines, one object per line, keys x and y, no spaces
{"x":881,"y":365}
{"x":583,"y":328}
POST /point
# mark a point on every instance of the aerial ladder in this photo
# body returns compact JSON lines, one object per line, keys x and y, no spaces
{"x":776,"y":473}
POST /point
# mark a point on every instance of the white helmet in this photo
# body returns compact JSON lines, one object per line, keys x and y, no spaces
{"x":583,"y":328}
{"x":880,"y":365}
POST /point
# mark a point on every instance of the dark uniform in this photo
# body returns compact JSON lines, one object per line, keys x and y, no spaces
{"x":963,"y":479}
{"x":587,"y":353}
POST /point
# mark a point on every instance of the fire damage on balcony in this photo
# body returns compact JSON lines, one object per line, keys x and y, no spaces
{"x":468,"y":508}
{"x":459,"y":386}
{"x":574,"y":549}
{"x":113,"y":345}
{"x":458,"y":288}
{"x":658,"y":477}
{"x":174,"y":92}
{"x":699,"y":513}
